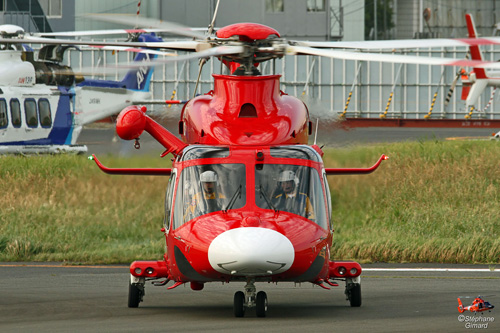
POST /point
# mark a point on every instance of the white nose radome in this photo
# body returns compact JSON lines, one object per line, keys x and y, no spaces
{"x":251,"y":252}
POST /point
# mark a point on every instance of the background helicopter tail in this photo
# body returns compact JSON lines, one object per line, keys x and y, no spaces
{"x":460,"y":306}
{"x":138,"y":79}
{"x":475,"y":90}
{"x":475,"y":52}
{"x":98,"y":99}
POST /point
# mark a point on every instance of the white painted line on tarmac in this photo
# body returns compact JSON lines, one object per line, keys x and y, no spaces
{"x":474,"y":270}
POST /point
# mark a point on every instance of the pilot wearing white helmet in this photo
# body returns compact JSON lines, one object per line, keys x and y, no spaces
{"x":290,"y":199}
{"x":206,"y":201}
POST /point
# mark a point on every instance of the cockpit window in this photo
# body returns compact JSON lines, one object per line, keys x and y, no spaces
{"x":299,"y":151}
{"x":204,"y":189}
{"x":291,"y":188}
{"x":205,"y":152}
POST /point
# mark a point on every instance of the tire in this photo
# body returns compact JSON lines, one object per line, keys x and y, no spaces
{"x":135,"y":293}
{"x":239,"y":304}
{"x":261,"y":304}
{"x":355,"y":295}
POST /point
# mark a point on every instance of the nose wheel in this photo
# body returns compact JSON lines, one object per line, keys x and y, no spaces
{"x":249,"y":299}
{"x":239,"y":304}
{"x":261,"y":304}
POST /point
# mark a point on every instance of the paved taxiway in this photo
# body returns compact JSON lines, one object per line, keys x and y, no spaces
{"x":103,"y":140}
{"x":53,"y":298}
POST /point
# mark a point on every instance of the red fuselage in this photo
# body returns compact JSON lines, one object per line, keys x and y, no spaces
{"x":299,"y":249}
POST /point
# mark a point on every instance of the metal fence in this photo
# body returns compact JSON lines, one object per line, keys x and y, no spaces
{"x":400,"y":91}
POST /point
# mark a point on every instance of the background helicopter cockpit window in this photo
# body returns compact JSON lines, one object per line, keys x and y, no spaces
{"x":308,"y":192}
{"x":4,"y":120}
{"x":30,"y":112}
{"x":193,"y":200}
{"x":15,"y":112}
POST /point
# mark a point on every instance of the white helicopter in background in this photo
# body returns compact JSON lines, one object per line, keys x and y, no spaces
{"x":44,"y":104}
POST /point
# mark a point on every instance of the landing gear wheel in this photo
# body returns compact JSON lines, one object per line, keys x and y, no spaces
{"x":353,"y":292}
{"x":261,"y":304}
{"x":239,"y":304}
{"x":135,"y":294}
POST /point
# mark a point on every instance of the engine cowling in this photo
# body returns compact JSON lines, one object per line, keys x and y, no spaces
{"x":245,"y":110}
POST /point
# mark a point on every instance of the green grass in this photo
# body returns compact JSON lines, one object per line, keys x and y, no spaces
{"x":63,"y":208}
{"x":432,"y":201}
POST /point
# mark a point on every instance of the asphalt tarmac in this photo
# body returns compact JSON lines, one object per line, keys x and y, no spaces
{"x":55,"y":298}
{"x":102,"y":139}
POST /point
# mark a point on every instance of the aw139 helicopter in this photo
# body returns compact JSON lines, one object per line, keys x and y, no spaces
{"x":247,"y":199}
{"x":478,"y":305}
{"x":44,"y":104}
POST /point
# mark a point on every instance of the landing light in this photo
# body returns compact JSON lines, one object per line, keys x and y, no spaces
{"x":138,"y":271}
{"x":342,"y":270}
{"x":149,"y":271}
{"x":353,"y":271}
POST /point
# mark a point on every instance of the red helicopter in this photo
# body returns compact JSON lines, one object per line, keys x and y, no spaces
{"x":478,"y":305}
{"x":247,"y":199}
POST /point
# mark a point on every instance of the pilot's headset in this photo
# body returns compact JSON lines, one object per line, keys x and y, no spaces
{"x":288,"y":175}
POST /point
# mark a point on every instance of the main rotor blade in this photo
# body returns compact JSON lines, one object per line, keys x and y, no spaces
{"x":392,"y":58}
{"x":150,"y":23}
{"x":133,"y":49}
{"x":404,"y":43}
{"x":95,"y":32}
{"x":212,"y":52}
{"x":186,"y":45}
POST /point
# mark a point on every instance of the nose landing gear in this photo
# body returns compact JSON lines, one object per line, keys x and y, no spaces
{"x":250,"y":299}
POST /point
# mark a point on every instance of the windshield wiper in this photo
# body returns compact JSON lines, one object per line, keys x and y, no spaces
{"x":263,"y":194}
{"x":233,"y":199}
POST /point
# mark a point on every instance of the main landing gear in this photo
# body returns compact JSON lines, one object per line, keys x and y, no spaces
{"x":135,"y":291}
{"x":249,"y":299}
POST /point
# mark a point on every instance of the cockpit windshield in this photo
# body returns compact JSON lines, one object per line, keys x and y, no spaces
{"x":291,"y":188}
{"x":208,"y":188}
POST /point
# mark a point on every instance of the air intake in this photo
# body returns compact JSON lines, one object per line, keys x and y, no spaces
{"x":247,"y":111}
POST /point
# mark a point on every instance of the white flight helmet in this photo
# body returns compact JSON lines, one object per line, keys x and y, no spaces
{"x":288,"y":175}
{"x":208,"y":177}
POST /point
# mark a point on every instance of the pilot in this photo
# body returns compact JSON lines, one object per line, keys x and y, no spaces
{"x":209,"y":199}
{"x":289,"y":199}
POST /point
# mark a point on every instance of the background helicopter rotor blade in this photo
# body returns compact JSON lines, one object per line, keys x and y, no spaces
{"x":170,"y":27}
{"x":393,"y":58}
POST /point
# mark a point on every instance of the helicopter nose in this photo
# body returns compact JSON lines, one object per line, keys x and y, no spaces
{"x":251,"y":252}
